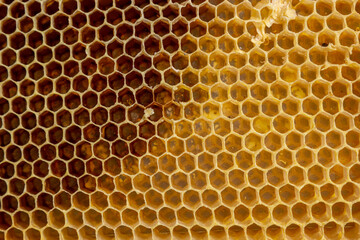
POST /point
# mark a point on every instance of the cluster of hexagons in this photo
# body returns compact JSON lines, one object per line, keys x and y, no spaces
{"x":144,"y":119}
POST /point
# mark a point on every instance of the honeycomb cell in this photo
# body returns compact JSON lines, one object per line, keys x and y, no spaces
{"x":197,"y":28}
{"x":280,"y":213}
{"x":172,"y":198}
{"x":275,"y":177}
{"x":274,"y":231}
{"x":332,"y":230}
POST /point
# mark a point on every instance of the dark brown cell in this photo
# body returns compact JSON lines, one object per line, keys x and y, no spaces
{"x":61,"y":21}
{"x":38,"y":136}
{"x":62,"y":85}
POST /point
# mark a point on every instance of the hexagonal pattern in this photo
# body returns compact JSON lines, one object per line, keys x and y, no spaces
{"x":179,"y":119}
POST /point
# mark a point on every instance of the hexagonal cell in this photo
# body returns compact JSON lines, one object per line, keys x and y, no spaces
{"x":143,"y":232}
{"x":353,"y":174}
{"x":167,"y":163}
{"x":242,"y":214}
{"x":249,"y":196}
{"x":191,"y":199}
{"x":198,"y":232}
{"x":161,"y":27}
{"x":40,"y":217}
{"x":217,"y":60}
{"x":293,"y":231}
{"x":275,"y":231}
{"x":286,"y":40}
{"x":132,"y":14}
{"x":172,"y":198}
{"x":296,"y":176}
{"x":305,"y":157}
{"x":148,"y":216}
{"x":329,"y":192}
{"x":351,"y":230}
{"x":179,"y":181}
{"x":27,"y":88}
{"x":138,"y":147}
{"x":180,"y":61}
{"x":314,"y":139}
{"x":161,"y":61}
{"x":350,"y":191}
{"x":210,"y":198}
{"x":352,"y":138}
{"x":230,"y":109}
{"x":114,"y":16}
{"x":222,"y":215}
{"x":267,"y":195}
{"x":332,"y":230}
{"x":334,"y":139}
{"x":133,"y":47}
{"x":256,"y":177}
{"x":281,"y":213}
{"x":142,"y":62}
{"x":198,"y":60}
{"x":288,"y":193}
{"x":302,"y":123}
{"x":311,"y":106}
{"x":244,"y":160}
{"x":151,"y":13}
{"x":276,"y":176}
{"x":213,"y":144}
{"x":170,"y":12}
{"x":136,"y":200}
{"x":9,"y":203}
{"x":261,"y":213}
{"x":124,"y":31}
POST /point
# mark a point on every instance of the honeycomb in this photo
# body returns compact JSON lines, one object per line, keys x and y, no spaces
{"x":179,"y":119}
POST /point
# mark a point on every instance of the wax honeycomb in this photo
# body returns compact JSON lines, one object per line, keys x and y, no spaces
{"x":179,"y":119}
